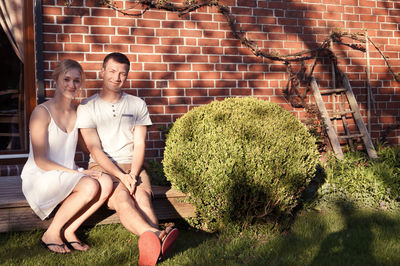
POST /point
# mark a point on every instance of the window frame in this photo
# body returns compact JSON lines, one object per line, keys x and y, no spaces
{"x":29,"y":70}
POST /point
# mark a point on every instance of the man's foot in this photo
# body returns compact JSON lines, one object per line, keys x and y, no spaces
{"x":149,"y":249}
{"x":54,"y":247}
{"x":77,"y":245}
{"x":168,"y":237}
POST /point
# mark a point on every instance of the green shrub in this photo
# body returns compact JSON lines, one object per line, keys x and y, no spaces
{"x":239,"y":159}
{"x":364,"y":182}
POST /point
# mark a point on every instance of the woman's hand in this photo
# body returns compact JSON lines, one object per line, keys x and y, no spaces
{"x":92,"y":174}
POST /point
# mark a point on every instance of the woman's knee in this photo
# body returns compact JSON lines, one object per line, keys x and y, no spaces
{"x":106,"y":185}
{"x":89,"y":187}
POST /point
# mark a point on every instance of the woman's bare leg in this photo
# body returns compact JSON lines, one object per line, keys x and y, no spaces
{"x":84,"y":192}
{"x":106,"y":186}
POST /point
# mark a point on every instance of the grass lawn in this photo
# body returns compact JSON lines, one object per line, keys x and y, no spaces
{"x":341,"y":236}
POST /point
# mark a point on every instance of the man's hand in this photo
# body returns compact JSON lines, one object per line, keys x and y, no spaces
{"x":130,"y":182}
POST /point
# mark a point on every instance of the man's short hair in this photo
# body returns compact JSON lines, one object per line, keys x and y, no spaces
{"x":118,"y":57}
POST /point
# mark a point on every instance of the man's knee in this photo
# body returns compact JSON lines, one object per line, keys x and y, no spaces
{"x":121,"y":199}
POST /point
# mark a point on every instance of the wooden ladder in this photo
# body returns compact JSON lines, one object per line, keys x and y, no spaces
{"x":346,"y":93}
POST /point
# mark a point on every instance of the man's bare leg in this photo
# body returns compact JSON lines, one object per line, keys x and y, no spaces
{"x":130,"y":216}
{"x":143,"y":198}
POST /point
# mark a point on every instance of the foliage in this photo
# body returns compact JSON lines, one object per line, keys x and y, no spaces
{"x":362,"y":181}
{"x":239,"y":159}
{"x":156,"y":173}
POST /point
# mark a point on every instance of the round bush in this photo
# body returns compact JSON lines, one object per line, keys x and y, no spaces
{"x":239,"y":159}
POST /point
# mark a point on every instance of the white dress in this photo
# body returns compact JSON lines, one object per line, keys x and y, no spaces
{"x":44,"y":190}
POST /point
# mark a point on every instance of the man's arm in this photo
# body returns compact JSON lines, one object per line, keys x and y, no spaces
{"x":93,"y":144}
{"x":139,"y":145}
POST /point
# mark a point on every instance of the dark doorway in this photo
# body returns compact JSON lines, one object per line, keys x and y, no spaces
{"x":12,"y":111}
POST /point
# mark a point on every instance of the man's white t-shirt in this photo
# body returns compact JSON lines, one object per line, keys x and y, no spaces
{"x":115,"y":123}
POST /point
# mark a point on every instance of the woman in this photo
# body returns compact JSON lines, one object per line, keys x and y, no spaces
{"x":50,"y":176}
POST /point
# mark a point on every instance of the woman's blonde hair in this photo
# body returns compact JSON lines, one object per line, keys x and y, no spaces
{"x":66,"y":65}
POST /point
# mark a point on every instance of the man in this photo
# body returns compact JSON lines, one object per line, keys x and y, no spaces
{"x":113,"y":125}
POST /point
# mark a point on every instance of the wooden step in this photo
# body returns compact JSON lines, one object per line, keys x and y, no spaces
{"x":330,"y":91}
{"x":338,"y":115}
{"x":354,"y":136}
{"x":16,"y":214}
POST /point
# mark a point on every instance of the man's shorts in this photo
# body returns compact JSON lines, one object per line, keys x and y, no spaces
{"x":126,"y":168}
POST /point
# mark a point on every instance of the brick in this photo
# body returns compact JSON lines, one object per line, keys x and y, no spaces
{"x":80,"y":11}
{"x":123,"y":39}
{"x":173,"y":92}
{"x":155,"y":66}
{"x":167,"y":32}
{"x":123,"y":30}
{"x":74,"y":56}
{"x":180,"y":83}
{"x":140,"y":48}
{"x":172,"y":41}
{"x":202,"y":100}
{"x":147,"y":40}
{"x":97,"y":39}
{"x":172,"y":24}
{"x":177,"y":66}
{"x":186,"y":75}
{"x":176,"y":109}
{"x":138,"y":75}
{"x":179,"y":100}
{"x":190,"y":33}
{"x":145,"y":23}
{"x":146,"y":92}
{"x":102,"y":30}
{"x":190,"y":50}
{"x":151,"y":14}
{"x":77,"y":47}
{"x":212,"y":50}
{"x":116,"y":48}
{"x":225,"y":83}
{"x":202,"y":84}
{"x":143,"y":32}
{"x":53,"y":46}
{"x":160,"y":118}
{"x":49,"y":19}
{"x":209,"y":75}
{"x":162,"y":75}
{"x":95,"y":21}
{"x":241,"y":91}
{"x":174,"y":58}
{"x":157,"y":101}
{"x":101,"y":12}
{"x":219,"y":92}
{"x":76,"y":29}
{"x":51,"y":10}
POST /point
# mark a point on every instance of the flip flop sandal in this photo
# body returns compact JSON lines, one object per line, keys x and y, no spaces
{"x":46,"y":246}
{"x":168,"y":237}
{"x":149,"y":249}
{"x":70,"y":245}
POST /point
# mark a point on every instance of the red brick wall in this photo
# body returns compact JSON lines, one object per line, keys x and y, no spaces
{"x":181,"y":62}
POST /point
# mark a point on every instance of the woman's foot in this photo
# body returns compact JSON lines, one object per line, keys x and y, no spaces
{"x":77,"y":245}
{"x":72,"y":242}
{"x":54,"y":244}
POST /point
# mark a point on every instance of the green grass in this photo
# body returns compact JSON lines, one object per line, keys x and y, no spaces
{"x":335,"y":236}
